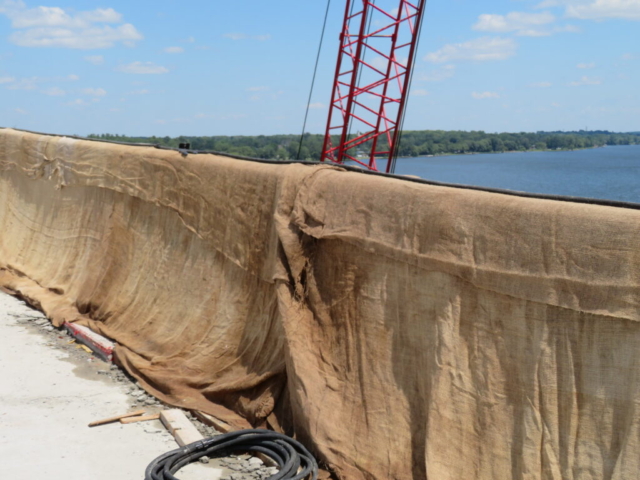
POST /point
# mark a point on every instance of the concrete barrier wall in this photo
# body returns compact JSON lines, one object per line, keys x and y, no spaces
{"x":401,"y":330}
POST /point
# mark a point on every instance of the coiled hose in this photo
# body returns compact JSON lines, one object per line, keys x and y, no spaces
{"x":292,"y":458}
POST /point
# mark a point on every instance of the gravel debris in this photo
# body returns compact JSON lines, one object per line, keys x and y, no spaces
{"x":236,"y":467}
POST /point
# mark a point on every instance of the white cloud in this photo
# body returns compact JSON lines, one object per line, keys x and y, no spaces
{"x":55,"y":27}
{"x":73,"y":77}
{"x":257,"y":89}
{"x":143,"y":91}
{"x":540,"y":85}
{"x":419,"y":92}
{"x":20,"y":111}
{"x":244,"y":36}
{"x":30,"y":83}
{"x":444,"y":72}
{"x":378,"y":63}
{"x":586,"y":81}
{"x":142,"y":68}
{"x":54,"y":92}
{"x":586,"y":65}
{"x":101,"y":15}
{"x":596,"y":9}
{"x":629,"y":56}
{"x":174,"y":50}
{"x":23,"y":17}
{"x":78,"y":102}
{"x":483,"y":95}
{"x":94,"y":92}
{"x":512,"y":22}
{"x":532,"y":32}
{"x":480,"y":49}
{"x":180,"y":120}
{"x":104,"y":37}
{"x":567,"y":29}
{"x":317,"y":105}
{"x":552,"y":3}
{"x":218,"y":116}
{"x":95,"y":59}
{"x":603,"y":9}
{"x":522,"y":24}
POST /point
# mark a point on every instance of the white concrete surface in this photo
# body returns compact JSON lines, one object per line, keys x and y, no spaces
{"x":48,"y":397}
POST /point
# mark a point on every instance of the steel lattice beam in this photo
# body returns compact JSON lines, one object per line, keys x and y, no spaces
{"x":370,"y":89}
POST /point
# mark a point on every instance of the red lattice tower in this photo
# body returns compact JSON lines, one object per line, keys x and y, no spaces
{"x":377,"y":49}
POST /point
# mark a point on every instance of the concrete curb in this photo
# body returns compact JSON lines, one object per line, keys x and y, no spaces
{"x":101,"y":346}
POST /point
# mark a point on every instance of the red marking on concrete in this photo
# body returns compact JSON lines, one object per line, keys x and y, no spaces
{"x":100,"y":345}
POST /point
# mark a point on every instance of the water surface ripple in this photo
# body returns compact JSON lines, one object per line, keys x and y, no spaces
{"x":611,"y":173}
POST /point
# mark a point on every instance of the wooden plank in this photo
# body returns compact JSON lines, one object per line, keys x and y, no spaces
{"x":116,"y":418}
{"x":180,"y":427}
{"x":144,"y":418}
{"x":214,"y":422}
{"x":224,"y":427}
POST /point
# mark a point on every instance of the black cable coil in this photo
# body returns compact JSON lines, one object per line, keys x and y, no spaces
{"x":292,"y":458}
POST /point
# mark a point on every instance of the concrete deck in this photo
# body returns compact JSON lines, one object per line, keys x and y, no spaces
{"x":47,"y":398}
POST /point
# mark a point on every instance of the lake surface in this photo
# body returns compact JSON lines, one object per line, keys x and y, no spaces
{"x":611,"y":173}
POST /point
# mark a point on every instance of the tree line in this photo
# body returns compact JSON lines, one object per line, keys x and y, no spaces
{"x":413,"y":143}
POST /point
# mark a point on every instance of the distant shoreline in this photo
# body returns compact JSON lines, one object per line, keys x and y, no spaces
{"x":412,"y":144}
{"x":514,"y":151}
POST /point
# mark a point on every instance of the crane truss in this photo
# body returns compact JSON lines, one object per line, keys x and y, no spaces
{"x":373,"y":73}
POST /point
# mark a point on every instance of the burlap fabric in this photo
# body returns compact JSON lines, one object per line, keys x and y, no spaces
{"x":400,"y":330}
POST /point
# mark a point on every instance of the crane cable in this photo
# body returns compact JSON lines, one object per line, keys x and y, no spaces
{"x":396,"y":147}
{"x":313,"y":81}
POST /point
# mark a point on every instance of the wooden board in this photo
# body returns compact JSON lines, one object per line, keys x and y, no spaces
{"x":180,"y":427}
{"x":155,"y":416}
{"x":224,"y":427}
{"x":116,"y":418}
{"x":214,"y":422}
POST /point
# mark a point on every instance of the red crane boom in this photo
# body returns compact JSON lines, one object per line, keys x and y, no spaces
{"x":373,"y":72}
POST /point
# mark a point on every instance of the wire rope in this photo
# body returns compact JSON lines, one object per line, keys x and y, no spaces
{"x":396,"y":147}
{"x":313,"y":80}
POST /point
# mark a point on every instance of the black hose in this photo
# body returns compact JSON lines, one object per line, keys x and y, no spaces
{"x":293,"y":460}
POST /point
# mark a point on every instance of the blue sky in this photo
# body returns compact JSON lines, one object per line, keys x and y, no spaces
{"x":244,"y":67}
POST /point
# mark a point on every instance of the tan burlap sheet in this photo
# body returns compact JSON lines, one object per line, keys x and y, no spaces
{"x":401,"y":330}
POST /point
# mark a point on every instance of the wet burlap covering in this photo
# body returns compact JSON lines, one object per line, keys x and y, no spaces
{"x":401,"y":330}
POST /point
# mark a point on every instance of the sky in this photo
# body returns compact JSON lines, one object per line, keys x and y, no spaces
{"x":245,"y":67}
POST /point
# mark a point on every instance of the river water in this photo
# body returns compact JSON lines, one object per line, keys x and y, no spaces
{"x":611,"y":173}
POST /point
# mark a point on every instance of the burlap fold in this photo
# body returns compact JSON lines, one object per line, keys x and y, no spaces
{"x":401,"y":330}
